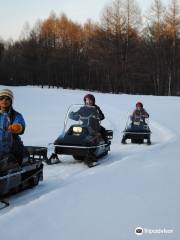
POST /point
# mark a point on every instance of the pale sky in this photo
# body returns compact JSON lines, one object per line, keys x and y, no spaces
{"x":15,"y":13}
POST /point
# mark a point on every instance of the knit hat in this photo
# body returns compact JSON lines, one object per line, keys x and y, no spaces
{"x":6,"y":92}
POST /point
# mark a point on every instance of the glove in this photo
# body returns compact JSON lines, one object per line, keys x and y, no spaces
{"x":145,"y":116}
{"x":73,"y":116}
{"x":15,"y":128}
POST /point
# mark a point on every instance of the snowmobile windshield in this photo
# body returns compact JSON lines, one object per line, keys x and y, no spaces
{"x":82,"y":116}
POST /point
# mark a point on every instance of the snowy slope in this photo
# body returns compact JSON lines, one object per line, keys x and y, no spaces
{"x":135,"y":185}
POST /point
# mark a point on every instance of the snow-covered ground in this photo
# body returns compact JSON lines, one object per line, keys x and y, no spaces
{"x":134,"y":186}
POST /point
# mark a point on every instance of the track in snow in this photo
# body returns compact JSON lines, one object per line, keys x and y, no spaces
{"x":60,"y":175}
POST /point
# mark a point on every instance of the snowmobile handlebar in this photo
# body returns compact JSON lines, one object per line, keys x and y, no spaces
{"x":137,"y":117}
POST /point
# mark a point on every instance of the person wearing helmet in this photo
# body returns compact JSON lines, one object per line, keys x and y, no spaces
{"x":139,"y":113}
{"x":15,"y":126}
{"x":89,"y":100}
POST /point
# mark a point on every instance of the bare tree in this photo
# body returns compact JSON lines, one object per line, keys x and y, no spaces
{"x":155,"y":31}
{"x":173,"y":31}
{"x":25,"y":32}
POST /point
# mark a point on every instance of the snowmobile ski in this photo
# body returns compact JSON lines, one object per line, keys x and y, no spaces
{"x":54,"y":159}
{"x":4,"y":203}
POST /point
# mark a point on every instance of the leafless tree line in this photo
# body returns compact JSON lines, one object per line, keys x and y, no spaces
{"x":124,"y":52}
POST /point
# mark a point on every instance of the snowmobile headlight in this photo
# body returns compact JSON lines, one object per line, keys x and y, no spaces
{"x":77,"y":129}
{"x":137,"y":123}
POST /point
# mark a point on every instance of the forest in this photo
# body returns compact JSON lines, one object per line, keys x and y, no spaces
{"x":124,"y":52}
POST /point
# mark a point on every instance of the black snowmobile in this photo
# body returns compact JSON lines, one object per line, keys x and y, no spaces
{"x":137,"y":131}
{"x":82,"y":137}
{"x":15,"y":177}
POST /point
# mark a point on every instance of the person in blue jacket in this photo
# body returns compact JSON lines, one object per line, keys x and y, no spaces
{"x":12,"y":125}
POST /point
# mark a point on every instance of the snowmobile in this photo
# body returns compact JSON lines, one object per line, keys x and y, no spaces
{"x":15,"y":177}
{"x":81,"y":136}
{"x":137,"y":130}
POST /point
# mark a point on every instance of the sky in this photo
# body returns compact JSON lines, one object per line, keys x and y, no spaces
{"x":14,"y":14}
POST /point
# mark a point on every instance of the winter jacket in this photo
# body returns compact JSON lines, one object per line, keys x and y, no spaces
{"x":86,"y":111}
{"x":11,"y":142}
{"x":5,"y":137}
{"x":139,"y":114}
{"x":100,"y":113}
